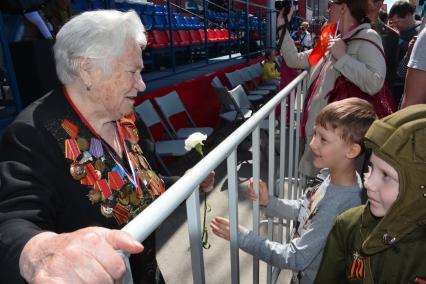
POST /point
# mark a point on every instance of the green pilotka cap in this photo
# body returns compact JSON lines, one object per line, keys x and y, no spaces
{"x":400,"y":140}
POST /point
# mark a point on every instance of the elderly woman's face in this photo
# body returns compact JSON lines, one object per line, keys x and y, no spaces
{"x":118,"y":92}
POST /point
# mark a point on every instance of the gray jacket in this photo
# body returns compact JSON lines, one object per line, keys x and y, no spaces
{"x":304,"y":252}
{"x":363,"y":65}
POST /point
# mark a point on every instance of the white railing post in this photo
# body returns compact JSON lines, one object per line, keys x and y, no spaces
{"x":233,"y":215}
{"x":290,"y":155}
{"x":152,"y":216}
{"x":256,"y":177}
{"x":271,"y":179}
{"x":194,"y":228}
{"x":297,"y":137}
{"x":283,"y":137}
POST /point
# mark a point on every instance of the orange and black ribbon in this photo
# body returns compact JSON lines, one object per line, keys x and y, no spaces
{"x":357,"y":267}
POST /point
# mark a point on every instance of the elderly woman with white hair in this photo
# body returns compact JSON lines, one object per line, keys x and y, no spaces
{"x":73,"y":167}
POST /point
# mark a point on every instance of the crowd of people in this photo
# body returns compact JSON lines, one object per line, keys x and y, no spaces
{"x":78,"y":164}
{"x":338,"y":236}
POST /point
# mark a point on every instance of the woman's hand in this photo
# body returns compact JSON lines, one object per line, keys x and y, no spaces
{"x":84,"y":256}
{"x":337,"y":48}
{"x":220,"y":227}
{"x":263,"y":192}
{"x":280,"y":18}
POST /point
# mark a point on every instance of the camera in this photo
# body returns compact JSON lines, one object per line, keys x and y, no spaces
{"x":281,"y":4}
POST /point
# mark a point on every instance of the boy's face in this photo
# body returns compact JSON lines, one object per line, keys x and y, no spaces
{"x":328,"y":148}
{"x":382,"y":186}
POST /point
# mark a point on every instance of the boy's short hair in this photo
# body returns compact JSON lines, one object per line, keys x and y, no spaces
{"x":352,"y":117}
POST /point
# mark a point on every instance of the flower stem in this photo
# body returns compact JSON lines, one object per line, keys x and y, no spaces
{"x":205,"y":237}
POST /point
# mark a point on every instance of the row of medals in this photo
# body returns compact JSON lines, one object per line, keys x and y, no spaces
{"x":126,"y":196}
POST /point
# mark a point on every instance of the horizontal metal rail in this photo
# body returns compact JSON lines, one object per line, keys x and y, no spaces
{"x":149,"y":219}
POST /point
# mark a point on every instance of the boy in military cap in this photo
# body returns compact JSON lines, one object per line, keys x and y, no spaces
{"x":384,"y":240}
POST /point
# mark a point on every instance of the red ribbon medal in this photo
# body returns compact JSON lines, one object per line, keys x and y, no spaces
{"x":102,"y":186}
{"x":115,"y":180}
{"x":70,"y":128}
{"x":72,"y":151}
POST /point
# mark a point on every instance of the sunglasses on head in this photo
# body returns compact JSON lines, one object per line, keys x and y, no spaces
{"x":331,"y":3}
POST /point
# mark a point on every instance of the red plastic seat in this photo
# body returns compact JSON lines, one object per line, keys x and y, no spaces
{"x":194,"y":37}
{"x":212,"y":36}
{"x":149,"y":40}
{"x":161,"y":39}
{"x":202,"y":35}
{"x":184,"y":37}
{"x":226,"y":34}
{"x":220,"y":35}
{"x":176,"y":38}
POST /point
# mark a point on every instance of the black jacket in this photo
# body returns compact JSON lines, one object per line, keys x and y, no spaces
{"x":37,"y":191}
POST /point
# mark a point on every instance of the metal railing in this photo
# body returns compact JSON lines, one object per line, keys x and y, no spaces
{"x":186,"y":188}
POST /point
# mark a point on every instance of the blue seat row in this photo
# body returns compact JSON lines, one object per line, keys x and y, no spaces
{"x":142,"y":9}
{"x":160,"y":22}
{"x":87,"y":5}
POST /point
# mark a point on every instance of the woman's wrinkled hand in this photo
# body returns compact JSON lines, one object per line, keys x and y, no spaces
{"x":263,"y":192}
{"x":337,"y":48}
{"x":220,"y":227}
{"x":84,"y":256}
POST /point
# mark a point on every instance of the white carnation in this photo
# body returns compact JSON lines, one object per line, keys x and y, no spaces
{"x":193,"y":140}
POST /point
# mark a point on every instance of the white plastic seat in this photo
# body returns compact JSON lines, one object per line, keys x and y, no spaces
{"x":165,"y":148}
{"x":171,"y":105}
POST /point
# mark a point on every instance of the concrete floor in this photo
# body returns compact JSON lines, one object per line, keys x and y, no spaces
{"x":173,"y":252}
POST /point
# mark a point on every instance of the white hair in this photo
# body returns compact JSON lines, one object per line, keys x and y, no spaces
{"x":100,"y":35}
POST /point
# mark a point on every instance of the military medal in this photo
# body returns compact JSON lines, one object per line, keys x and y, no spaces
{"x":134,"y":199}
{"x":85,"y":158}
{"x":121,"y":214}
{"x":94,"y":196}
{"x":96,"y":148}
{"x":71,"y":149}
{"x":77,"y":171}
{"x":143,"y":162}
{"x":102,"y":186}
{"x":119,"y":191}
{"x":115,"y":181}
{"x":124,"y":198}
{"x":137,"y":149}
{"x":70,"y":128}
{"x":83,"y":144}
{"x":156,"y":185}
{"x":100,"y":165}
{"x":107,"y":211}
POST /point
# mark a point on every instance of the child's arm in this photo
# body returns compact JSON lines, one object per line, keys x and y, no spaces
{"x":297,"y":255}
{"x":283,"y":208}
{"x":332,"y":267}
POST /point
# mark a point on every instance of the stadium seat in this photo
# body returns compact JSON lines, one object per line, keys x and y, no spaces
{"x":196,"y":23}
{"x":147,"y":21}
{"x":184,"y":37}
{"x":160,"y":22}
{"x":161,"y":40}
{"x":195,"y":37}
{"x":160,"y":10}
{"x":149,"y":9}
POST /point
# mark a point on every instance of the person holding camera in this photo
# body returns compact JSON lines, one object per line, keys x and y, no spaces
{"x":360,"y":61}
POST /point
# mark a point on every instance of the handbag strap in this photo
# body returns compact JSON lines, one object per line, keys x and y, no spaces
{"x":365,"y":39}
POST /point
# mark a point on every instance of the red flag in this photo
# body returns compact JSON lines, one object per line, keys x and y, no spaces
{"x":321,"y":46}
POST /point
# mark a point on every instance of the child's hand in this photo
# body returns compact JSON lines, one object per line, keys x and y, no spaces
{"x":220,"y":227}
{"x":263,"y":192}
